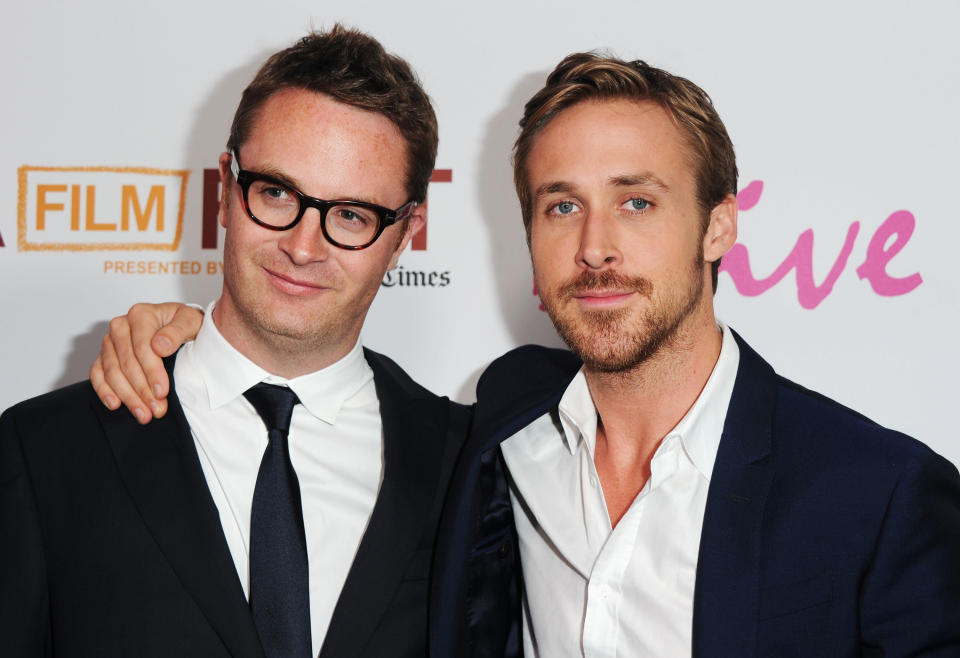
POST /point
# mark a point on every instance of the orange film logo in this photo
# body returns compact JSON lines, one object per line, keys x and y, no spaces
{"x":100,"y":208}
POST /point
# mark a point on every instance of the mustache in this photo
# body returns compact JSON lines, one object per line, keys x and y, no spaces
{"x":605,"y":280}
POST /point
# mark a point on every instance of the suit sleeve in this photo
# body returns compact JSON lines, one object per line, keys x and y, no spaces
{"x":910,"y":597}
{"x":24,"y":601}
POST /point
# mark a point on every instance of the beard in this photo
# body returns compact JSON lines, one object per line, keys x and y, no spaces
{"x":618,"y":340}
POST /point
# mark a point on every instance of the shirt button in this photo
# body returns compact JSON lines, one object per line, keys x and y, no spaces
{"x":593,"y":481}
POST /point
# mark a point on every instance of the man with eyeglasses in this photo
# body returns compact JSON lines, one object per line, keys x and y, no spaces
{"x":287,"y":503}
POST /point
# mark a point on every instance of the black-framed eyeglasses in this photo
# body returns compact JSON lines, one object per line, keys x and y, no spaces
{"x":278,"y":206}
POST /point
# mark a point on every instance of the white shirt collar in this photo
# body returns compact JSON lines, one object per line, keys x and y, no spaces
{"x":700,"y":428}
{"x":226,"y":374}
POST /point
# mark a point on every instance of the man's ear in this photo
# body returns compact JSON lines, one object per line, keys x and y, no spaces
{"x":721,"y":232}
{"x":225,"y":178}
{"x":415,"y":223}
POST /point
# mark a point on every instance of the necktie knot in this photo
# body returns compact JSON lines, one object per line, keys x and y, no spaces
{"x":274,"y":404}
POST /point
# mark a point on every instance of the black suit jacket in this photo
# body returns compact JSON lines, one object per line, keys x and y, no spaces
{"x":824,"y":534}
{"x":111,"y":545}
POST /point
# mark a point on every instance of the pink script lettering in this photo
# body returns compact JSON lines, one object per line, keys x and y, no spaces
{"x":901,"y":224}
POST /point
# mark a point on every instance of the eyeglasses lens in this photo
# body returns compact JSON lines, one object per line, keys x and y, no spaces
{"x":348,"y":224}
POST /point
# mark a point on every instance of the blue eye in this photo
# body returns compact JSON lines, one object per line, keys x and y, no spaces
{"x":565,"y":207}
{"x":637,"y":205}
{"x":267,"y":192}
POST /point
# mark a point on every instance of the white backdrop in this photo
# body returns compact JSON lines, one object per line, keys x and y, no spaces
{"x":842,"y":114}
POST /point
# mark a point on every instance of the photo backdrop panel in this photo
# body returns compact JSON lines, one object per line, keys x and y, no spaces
{"x":843,"y":117}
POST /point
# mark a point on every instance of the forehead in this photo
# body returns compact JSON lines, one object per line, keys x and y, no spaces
{"x":323,"y":143}
{"x":604,"y":139}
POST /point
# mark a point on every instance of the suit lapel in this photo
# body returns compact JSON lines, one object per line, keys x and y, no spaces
{"x":159,"y":465}
{"x":508,"y":399}
{"x":414,"y":433}
{"x":727,"y":590}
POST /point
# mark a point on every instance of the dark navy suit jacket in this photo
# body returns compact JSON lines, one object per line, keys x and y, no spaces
{"x":824,"y":534}
{"x":111,"y":545}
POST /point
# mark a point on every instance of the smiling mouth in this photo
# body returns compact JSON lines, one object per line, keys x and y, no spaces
{"x":600,"y":298}
{"x":606,"y":288}
{"x":294,"y":286}
{"x":603,"y":293}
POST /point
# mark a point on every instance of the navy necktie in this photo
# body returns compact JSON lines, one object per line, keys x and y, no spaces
{"x":279,"y":578}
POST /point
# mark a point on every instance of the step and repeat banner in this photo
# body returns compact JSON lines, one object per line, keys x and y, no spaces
{"x":844,"y":117}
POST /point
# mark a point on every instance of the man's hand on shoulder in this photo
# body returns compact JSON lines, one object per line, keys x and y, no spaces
{"x":129,"y":369}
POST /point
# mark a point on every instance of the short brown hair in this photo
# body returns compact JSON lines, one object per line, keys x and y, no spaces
{"x":592,"y":76}
{"x":352,"y":68}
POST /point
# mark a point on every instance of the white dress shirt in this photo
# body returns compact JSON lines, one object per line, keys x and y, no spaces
{"x":596,"y":591}
{"x":336,"y":446}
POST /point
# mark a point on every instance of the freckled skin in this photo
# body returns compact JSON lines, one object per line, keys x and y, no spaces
{"x":291,"y":301}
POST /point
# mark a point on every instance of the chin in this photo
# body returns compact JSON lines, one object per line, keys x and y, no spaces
{"x":273,"y":322}
{"x":622,"y":356}
{"x":611,"y":354}
{"x":615,"y":341}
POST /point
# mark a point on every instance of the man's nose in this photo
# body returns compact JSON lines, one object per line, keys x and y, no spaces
{"x":305,"y":242}
{"x":598,"y":242}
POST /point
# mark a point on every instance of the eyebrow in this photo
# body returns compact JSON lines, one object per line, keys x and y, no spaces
{"x":552,"y":188}
{"x":646,"y":179}
{"x":280,"y":177}
{"x":624,"y":180}
{"x":277,"y":175}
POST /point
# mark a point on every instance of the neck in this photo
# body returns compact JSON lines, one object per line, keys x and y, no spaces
{"x":655,"y":395}
{"x":638,"y":407}
{"x":280,"y":355}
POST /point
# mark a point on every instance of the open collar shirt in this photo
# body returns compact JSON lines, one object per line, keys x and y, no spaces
{"x":597,"y":591}
{"x":336,"y":447}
